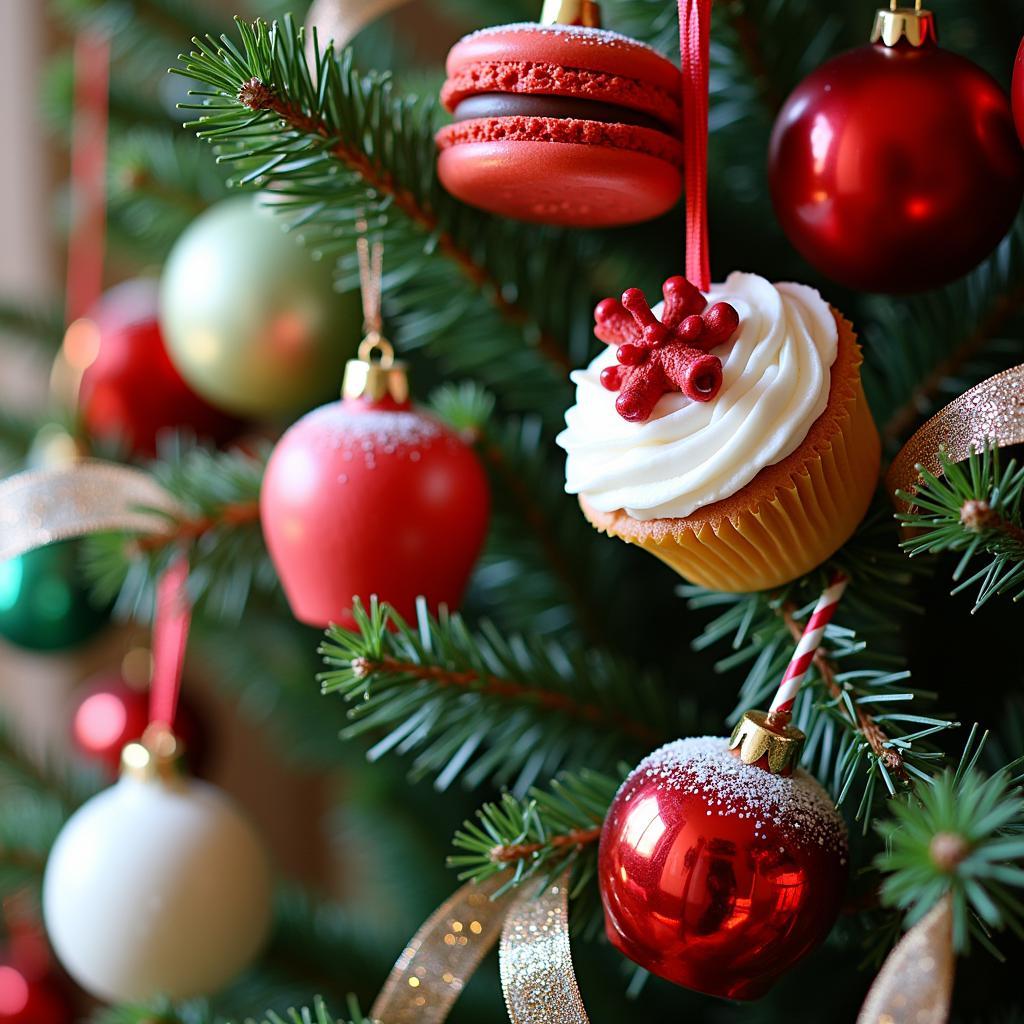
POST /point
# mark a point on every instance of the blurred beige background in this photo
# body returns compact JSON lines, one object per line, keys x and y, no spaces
{"x":36,"y":691}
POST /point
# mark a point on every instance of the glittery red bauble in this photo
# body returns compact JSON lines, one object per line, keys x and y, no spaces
{"x":1018,"y":91}
{"x":364,"y":498}
{"x":718,"y":875}
{"x":896,"y":169}
{"x":131,"y":390}
{"x":111,"y":714}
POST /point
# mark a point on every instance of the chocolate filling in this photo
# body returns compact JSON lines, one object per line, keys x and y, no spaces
{"x":495,"y":104}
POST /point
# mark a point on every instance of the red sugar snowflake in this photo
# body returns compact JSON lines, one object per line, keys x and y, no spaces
{"x":655,"y":357}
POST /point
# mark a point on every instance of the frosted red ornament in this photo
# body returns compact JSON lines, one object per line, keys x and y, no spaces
{"x":717,"y":874}
{"x":372,"y":496}
{"x":130,"y":390}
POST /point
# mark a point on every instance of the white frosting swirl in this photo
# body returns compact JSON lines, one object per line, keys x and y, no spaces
{"x":776,"y":381}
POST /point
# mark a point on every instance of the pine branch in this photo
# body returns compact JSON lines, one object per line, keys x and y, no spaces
{"x":962,"y":836}
{"x":976,"y":508}
{"x":481,"y":706}
{"x":218,"y":530}
{"x":542,"y":835}
{"x":508,"y":302}
{"x":545,"y":569}
{"x":857,"y":746}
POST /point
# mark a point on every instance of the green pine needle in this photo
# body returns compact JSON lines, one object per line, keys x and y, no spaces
{"x":975,"y":508}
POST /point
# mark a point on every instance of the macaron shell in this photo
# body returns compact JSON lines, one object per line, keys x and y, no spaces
{"x":544,"y":79}
{"x":562,"y":183}
{"x":568,"y":47}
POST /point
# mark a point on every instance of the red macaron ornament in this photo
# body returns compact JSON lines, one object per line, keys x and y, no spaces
{"x":562,"y":122}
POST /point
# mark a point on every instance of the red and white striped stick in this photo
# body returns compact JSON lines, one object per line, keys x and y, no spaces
{"x":810,"y":641}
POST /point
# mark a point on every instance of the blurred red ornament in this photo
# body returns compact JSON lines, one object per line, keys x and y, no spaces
{"x":895,"y":167}
{"x":130,"y":390}
{"x":30,"y":992}
{"x":372,"y":496}
{"x":112,"y":713}
{"x":716,"y":874}
{"x":1018,"y":91}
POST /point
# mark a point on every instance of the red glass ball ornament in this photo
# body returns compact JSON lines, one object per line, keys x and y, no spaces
{"x":896,"y":168}
{"x":372,"y":497}
{"x":29,"y":998}
{"x":130,"y":391}
{"x":719,"y":875}
{"x":111,"y":713}
{"x":1018,"y":91}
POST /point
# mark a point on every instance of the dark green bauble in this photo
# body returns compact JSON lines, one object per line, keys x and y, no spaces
{"x":250,"y":318}
{"x":44,"y":603}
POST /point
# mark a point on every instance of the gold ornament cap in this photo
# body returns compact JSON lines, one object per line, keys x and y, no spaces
{"x":376,"y":378}
{"x":159,"y":755}
{"x":768,"y":739}
{"x":914,"y":24}
{"x":571,"y":12}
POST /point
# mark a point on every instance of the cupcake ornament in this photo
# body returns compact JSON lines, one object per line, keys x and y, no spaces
{"x":561,"y":122}
{"x":725,"y":431}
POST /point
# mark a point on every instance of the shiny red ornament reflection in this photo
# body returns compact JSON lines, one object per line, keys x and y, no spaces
{"x":364,"y":498}
{"x":896,"y":169}
{"x":722,"y":904}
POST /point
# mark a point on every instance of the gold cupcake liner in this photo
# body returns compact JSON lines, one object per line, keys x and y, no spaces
{"x":791,"y":517}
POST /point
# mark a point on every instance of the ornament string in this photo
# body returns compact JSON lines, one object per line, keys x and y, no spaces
{"x":814,"y":632}
{"x":170,"y":638}
{"x":371,"y":277}
{"x":694,"y":52}
{"x":88,"y":173}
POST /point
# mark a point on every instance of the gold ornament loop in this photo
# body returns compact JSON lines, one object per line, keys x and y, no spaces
{"x":375,"y":344}
{"x":88,"y":496}
{"x":537,"y":975}
{"x":990,"y":413}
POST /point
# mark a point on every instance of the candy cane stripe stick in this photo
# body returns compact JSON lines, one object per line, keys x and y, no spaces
{"x":808,"y":646}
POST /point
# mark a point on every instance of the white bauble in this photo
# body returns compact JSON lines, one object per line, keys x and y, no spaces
{"x":156,"y":886}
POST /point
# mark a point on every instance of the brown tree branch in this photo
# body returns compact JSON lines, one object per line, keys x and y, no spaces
{"x":575,"y":839}
{"x":258,"y":96}
{"x":979,"y":516}
{"x":184,"y":530}
{"x":509,"y":689}
{"x":865,"y":724}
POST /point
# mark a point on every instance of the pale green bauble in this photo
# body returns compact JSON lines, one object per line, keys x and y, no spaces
{"x":250,"y":318}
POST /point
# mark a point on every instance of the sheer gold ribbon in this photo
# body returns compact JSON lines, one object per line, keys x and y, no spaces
{"x":992,"y":412}
{"x":88,"y":496}
{"x":915,"y":984}
{"x":536,"y":966}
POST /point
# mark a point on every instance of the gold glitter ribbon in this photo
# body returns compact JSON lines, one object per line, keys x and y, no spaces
{"x":992,"y":413}
{"x":442,"y":956}
{"x":537,"y":975}
{"x":915,"y":984}
{"x":87,"y":496}
{"x":536,"y":965}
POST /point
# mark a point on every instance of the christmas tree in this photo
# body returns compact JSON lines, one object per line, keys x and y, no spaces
{"x":404,"y":591}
